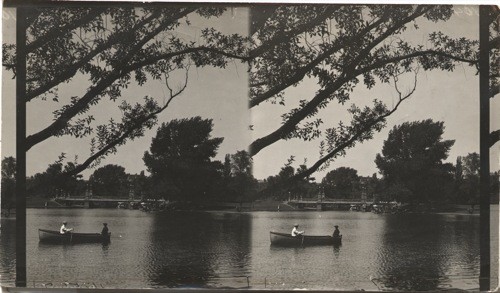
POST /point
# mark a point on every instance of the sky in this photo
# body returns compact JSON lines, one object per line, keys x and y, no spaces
{"x":221,"y":95}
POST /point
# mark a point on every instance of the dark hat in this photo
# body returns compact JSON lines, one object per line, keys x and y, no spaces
{"x":105,"y":224}
{"x":295,"y":225}
{"x":64,"y":222}
{"x":336,"y":226}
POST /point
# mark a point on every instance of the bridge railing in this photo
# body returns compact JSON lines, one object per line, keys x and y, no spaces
{"x":338,"y":200}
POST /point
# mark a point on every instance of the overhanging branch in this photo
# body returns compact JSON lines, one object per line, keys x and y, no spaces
{"x":354,"y":138}
{"x":119,"y":140}
{"x":494,"y":137}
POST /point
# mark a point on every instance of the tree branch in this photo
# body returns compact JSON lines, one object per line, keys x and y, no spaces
{"x":349,"y":142}
{"x":347,"y":74}
{"x":285,"y":36}
{"x":73,"y":69}
{"x":301,"y":73}
{"x":118,"y":71}
{"x":164,"y":56}
{"x":58,"y":31}
{"x":136,"y":125}
{"x":494,"y":137}
{"x":380,"y":63}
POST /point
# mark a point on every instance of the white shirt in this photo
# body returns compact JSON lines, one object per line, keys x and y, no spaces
{"x":63,"y":229}
{"x":296,"y":232}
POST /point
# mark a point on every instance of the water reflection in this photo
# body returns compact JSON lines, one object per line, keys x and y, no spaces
{"x":336,"y":249}
{"x":7,"y":251}
{"x":421,"y":253}
{"x":193,"y":248}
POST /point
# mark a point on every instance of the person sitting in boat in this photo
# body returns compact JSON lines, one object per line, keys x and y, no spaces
{"x":65,"y":230}
{"x":295,"y":231}
{"x":336,"y":232}
{"x":105,"y":229}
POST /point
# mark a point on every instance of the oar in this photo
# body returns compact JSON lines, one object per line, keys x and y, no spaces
{"x":302,"y":244}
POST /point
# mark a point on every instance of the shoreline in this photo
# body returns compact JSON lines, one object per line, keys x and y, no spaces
{"x":255,"y":209}
{"x":257,"y":206}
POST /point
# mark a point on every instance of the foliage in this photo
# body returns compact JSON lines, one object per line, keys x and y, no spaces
{"x":342,"y":182}
{"x":494,"y":46}
{"x":179,"y":159}
{"x":413,"y":156}
{"x":110,"y":181}
{"x":240,"y":185}
{"x":140,"y":186}
{"x":8,"y":186}
{"x":282,"y":187}
{"x":9,"y":168}
{"x":55,"y":182}
{"x":395,"y":192}
{"x":467,"y":179}
{"x":341,"y":47}
{"x":110,"y":48}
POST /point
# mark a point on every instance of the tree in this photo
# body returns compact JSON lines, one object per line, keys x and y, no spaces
{"x":413,"y":156}
{"x":179,"y":158}
{"x":281,"y":186}
{"x":47,"y":184}
{"x":467,"y":183}
{"x":110,"y":48}
{"x":241,"y":185}
{"x":8,"y":182}
{"x":241,"y":163}
{"x":141,"y":186}
{"x":342,"y":182}
{"x":56,"y":181}
{"x":471,"y":165}
{"x":9,"y":168}
{"x":339,"y":47}
{"x":110,"y":181}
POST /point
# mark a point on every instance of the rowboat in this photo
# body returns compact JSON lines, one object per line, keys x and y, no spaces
{"x":285,"y":239}
{"x":48,"y":236}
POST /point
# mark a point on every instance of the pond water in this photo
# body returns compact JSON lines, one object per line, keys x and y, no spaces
{"x":230,"y":249}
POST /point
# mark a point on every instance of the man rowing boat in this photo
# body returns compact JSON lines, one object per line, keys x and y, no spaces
{"x":63,"y":229}
{"x":295,"y":231}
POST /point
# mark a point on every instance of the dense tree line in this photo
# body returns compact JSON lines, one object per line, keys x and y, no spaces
{"x":181,"y":167}
{"x":413,"y":168}
{"x":180,"y":163}
{"x":280,"y":187}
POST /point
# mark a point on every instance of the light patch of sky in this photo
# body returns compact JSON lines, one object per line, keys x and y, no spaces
{"x":452,"y":97}
{"x":218,"y":94}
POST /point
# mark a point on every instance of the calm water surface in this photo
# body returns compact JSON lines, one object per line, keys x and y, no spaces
{"x":229,"y":249}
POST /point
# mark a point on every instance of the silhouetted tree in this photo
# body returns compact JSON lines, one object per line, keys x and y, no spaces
{"x":8,"y":182}
{"x":241,"y":185}
{"x":413,"y":156}
{"x":110,"y":181}
{"x":342,"y":182}
{"x":179,"y":159}
{"x":467,"y":179}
